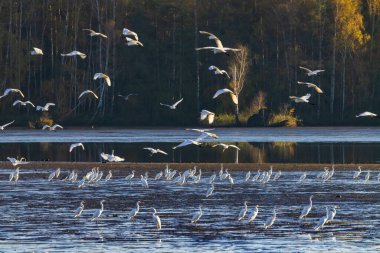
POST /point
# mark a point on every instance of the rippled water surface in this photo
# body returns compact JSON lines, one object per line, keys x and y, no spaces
{"x":37,"y":215}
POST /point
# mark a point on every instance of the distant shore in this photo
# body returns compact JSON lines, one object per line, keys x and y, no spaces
{"x":182,"y":166}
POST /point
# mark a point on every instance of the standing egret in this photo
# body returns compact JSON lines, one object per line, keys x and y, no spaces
{"x":231,"y":180}
{"x":218,"y":71}
{"x":51,"y":176}
{"x":109,"y":175}
{"x":57,"y":172}
{"x":302,"y":177}
{"x":247,"y":176}
{"x":158,"y":175}
{"x":75,"y":145}
{"x":134,"y":211}
{"x":173,"y":106}
{"x":5,"y":125}
{"x":212,"y":178}
{"x":357,"y":173}
{"x":96,"y":215}
{"x":130,"y":176}
{"x":76,"y":53}
{"x":252,"y":215}
{"x":255,"y":177}
{"x":277,"y":176}
{"x":270,"y":220}
{"x":210,"y":190}
{"x":103,"y":76}
{"x":197,"y":215}
{"x":144,"y":182}
{"x":243,"y":211}
{"x":156,"y":219}
{"x":79,"y":210}
{"x":232,"y":94}
{"x":306,"y":209}
{"x":219,"y":46}
{"x":321,"y":221}
{"x":367,"y":177}
{"x":210,"y":116}
{"x":310,"y":72}
{"x":331,"y":214}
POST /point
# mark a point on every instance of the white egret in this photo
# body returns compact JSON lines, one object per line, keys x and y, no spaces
{"x":155,"y":151}
{"x":144,"y":182}
{"x":75,"y":145}
{"x":57,"y":172}
{"x":79,"y":210}
{"x":75,"y":53}
{"x":367,"y":114}
{"x":197,"y":215}
{"x":232,"y":94}
{"x":173,"y":106}
{"x":302,"y":177}
{"x":51,"y":176}
{"x":367,"y":177}
{"x":186,"y":143}
{"x":10,"y":90}
{"x":127,"y":32}
{"x":158,"y":175}
{"x":311,"y":85}
{"x":218,"y":71}
{"x":127,"y":96}
{"x":277,"y":176}
{"x":88,"y":92}
{"x":226,"y":146}
{"x":321,"y":221}
{"x":212,"y":178}
{"x":255,"y":177}
{"x":247,"y":176}
{"x":331,"y":215}
{"x":310,"y":72}
{"x":270,"y":220}
{"x":36,"y":51}
{"x":156,"y":219}
{"x":14,"y":175}
{"x":130,"y":176}
{"x":210,"y":190}
{"x":205,"y":133}
{"x":210,"y":116}
{"x":306,"y":209}
{"x":52,"y":128}
{"x":243,"y":211}
{"x":357,"y":173}
{"x":111,"y":157}
{"x":96,"y":215}
{"x":219,"y":46}
{"x":252,"y":215}
{"x":16,"y":162}
{"x":224,"y":175}
{"x":303,"y":99}
{"x":103,"y":76}
{"x":231,"y":180}
{"x":132,"y":42}
{"x":96,"y":34}
{"x":22,"y":103}
{"x":5,"y":125}
{"x":44,"y":108}
{"x":109,"y":175}
{"x":134,"y":211}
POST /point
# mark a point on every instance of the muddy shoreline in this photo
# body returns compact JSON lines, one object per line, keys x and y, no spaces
{"x":183,"y":166}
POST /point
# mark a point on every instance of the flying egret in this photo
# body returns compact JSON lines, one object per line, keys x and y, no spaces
{"x":306,"y":209}
{"x":252,"y":215}
{"x":311,"y":85}
{"x":96,"y":34}
{"x":134,"y":211}
{"x":103,"y":76}
{"x":88,"y":92}
{"x":218,"y":71}
{"x":75,"y":53}
{"x":16,"y":162}
{"x":144,"y":182}
{"x":111,"y":157}
{"x":127,"y":32}
{"x":109,"y":175}
{"x":127,"y":96}
{"x":197,"y":215}
{"x":130,"y":176}
{"x":156,"y":219}
{"x":219,"y":46}
{"x":303,"y":99}
{"x":79,"y":210}
{"x":155,"y":151}
{"x":205,"y":133}
{"x":210,"y":190}
{"x":75,"y":145}
{"x":310,"y":72}
{"x":96,"y":215}
{"x":132,"y":42}
{"x":357,"y":173}
{"x":174,"y":106}
{"x":226,"y":146}
{"x":232,"y":94}
{"x":52,"y":128}
{"x":331,"y":214}
{"x":186,"y":143}
{"x":270,"y":220}
{"x":210,"y":116}
{"x":367,"y":114}
{"x":36,"y":51}
{"x":322,"y":221}
{"x":243,"y":211}
{"x":22,"y":103}
{"x":10,"y":90}
{"x":44,"y":108}
{"x":5,"y":125}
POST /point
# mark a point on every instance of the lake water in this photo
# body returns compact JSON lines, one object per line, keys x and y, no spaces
{"x":258,"y":145}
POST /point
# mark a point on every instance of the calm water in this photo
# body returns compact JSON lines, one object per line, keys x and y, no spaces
{"x":37,"y":215}
{"x":258,"y":145}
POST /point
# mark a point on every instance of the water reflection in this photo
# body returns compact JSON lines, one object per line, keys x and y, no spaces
{"x":265,"y":152}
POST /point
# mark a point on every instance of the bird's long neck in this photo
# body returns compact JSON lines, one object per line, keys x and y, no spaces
{"x":101,"y":206}
{"x":138,"y":206}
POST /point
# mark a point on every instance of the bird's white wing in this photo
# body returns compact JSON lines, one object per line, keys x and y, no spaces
{"x":45,"y":126}
{"x":225,"y":72}
{"x":5,"y":125}
{"x":234,"y":98}
{"x":176,"y":103}
{"x":234,"y":146}
{"x":184,"y":143}
{"x":221,"y":91}
{"x":72,"y":146}
{"x":204,"y":114}
{"x":104,"y":156}
{"x":306,"y":97}
{"x":162,"y":152}
{"x":308,"y":70}
{"x":165,"y":105}
{"x":231,"y":49}
{"x":91,"y":31}
{"x":213,"y":37}
{"x":28,"y":102}
{"x":150,"y":149}
{"x":211,"y":118}
{"x":213,"y":68}
{"x":57,"y":126}
{"x":49,"y":104}
{"x":16,"y":102}
{"x":204,"y":48}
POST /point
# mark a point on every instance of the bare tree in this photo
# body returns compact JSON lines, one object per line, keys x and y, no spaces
{"x":238,"y":67}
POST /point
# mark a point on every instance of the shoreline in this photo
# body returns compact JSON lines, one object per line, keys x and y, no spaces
{"x":183,"y":166}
